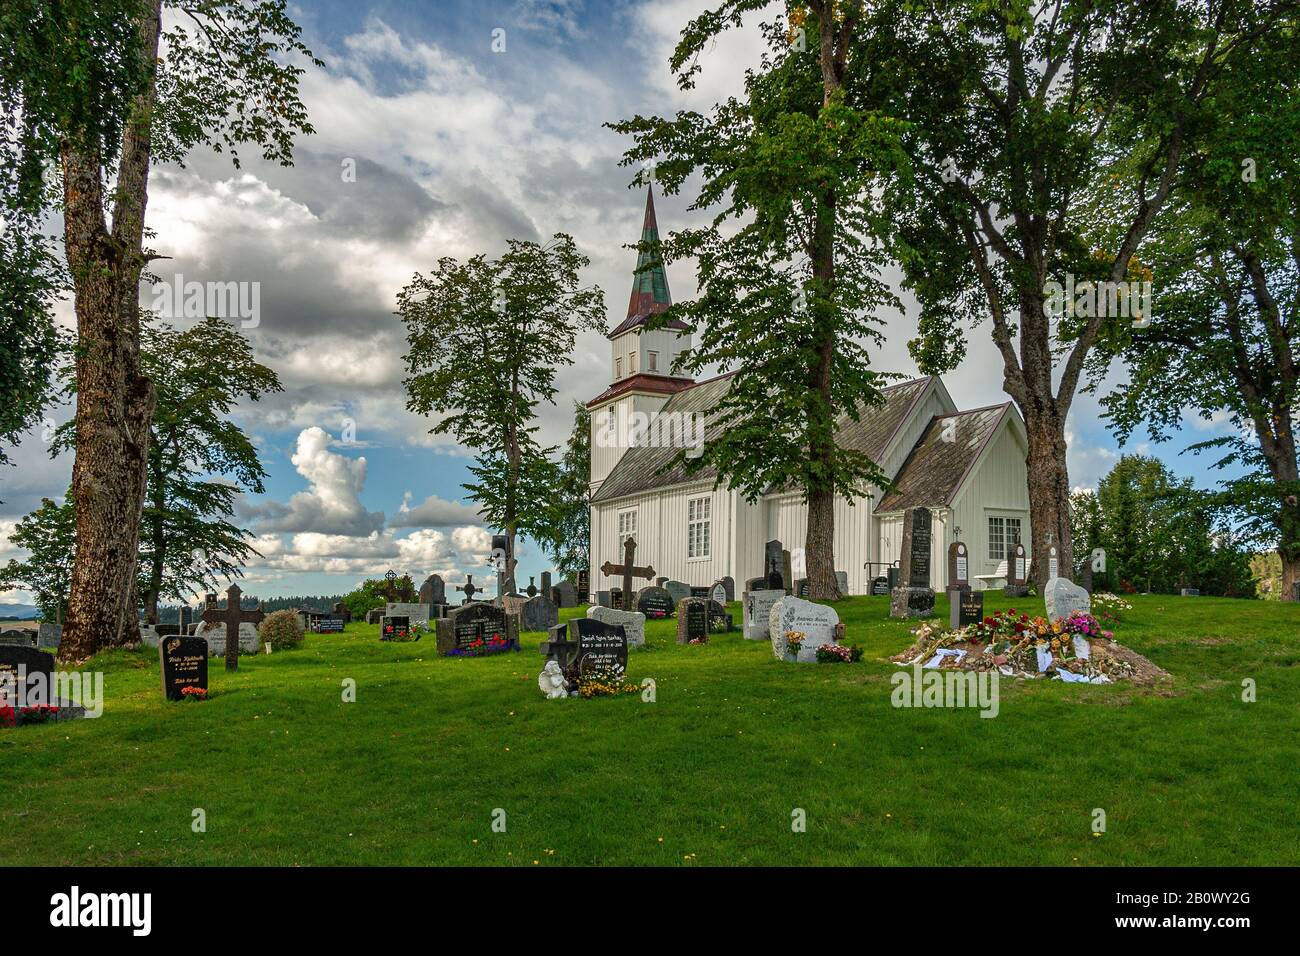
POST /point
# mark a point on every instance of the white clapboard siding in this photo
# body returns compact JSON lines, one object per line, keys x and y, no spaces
{"x":997,"y":485}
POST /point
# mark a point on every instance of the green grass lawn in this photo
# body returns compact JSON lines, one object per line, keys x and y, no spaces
{"x":708,"y":774}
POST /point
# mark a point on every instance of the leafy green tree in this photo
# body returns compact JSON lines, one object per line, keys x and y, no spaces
{"x":1045,"y":138}
{"x":1225,"y":342}
{"x":199,"y":460}
{"x":66,"y":74}
{"x":788,"y":268}
{"x":49,"y":534}
{"x":570,"y":544}
{"x":229,"y":78}
{"x":373,"y":593}
{"x":485,"y":338}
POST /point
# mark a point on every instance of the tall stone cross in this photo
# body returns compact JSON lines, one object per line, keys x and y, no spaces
{"x":233,"y":616}
{"x":468,"y":588}
{"x":391,"y":591}
{"x":628,"y":570}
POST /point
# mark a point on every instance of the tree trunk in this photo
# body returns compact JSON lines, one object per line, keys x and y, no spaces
{"x":114,"y":400}
{"x":1288,"y":549}
{"x":158,"y":540}
{"x":1049,"y":493}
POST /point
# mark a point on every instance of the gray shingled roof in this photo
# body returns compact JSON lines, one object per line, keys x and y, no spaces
{"x":944,"y":455}
{"x":638,"y":470}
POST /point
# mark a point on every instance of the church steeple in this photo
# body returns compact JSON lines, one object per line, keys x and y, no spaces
{"x":649,"y":288}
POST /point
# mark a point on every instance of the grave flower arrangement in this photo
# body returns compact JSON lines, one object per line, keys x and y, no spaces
{"x":11,"y":716}
{"x":495,"y":643}
{"x":194,"y":693}
{"x":838,"y":654}
{"x":604,"y":680}
{"x":1110,"y":607}
{"x":794,"y":641}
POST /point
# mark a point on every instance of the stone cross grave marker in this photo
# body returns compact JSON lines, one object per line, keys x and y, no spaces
{"x":233,"y":616}
{"x":468,"y":589}
{"x":627,"y":569}
{"x":772,"y":566}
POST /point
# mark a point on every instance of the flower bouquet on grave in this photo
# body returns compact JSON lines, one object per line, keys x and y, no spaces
{"x":793,"y":643}
{"x":604,"y":680}
{"x":194,"y":693}
{"x":1110,"y":607}
{"x":8,"y":716}
{"x":37,"y":714}
{"x":838,"y":654}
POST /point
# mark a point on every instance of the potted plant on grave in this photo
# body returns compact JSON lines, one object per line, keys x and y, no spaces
{"x":793,"y":642}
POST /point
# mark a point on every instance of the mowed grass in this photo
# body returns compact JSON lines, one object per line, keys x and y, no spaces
{"x":707,"y":774}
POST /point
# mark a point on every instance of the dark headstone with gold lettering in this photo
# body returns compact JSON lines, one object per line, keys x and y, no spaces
{"x":184,"y":663}
{"x":914,"y":597}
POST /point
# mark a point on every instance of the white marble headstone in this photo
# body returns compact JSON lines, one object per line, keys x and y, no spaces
{"x":816,"y":621}
{"x":633,"y":622}
{"x":757,"y":611}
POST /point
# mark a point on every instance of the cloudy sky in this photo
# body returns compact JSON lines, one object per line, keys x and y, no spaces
{"x":467,"y":123}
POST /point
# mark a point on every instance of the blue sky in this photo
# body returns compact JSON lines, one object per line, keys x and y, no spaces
{"x":460,"y":141}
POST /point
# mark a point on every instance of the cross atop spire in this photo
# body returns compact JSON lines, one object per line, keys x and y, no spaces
{"x":650,"y":288}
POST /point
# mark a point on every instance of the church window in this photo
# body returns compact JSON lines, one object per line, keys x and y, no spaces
{"x":618,"y":367}
{"x":626,"y":524}
{"x":652,"y":361}
{"x":698,"y":530}
{"x":1003,"y":535}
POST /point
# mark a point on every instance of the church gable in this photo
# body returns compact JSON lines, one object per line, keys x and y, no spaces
{"x":948,"y":450}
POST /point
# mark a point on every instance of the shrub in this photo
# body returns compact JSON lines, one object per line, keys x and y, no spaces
{"x":281,"y":629}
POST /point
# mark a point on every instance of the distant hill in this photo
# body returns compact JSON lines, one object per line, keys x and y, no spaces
{"x":18,"y":612}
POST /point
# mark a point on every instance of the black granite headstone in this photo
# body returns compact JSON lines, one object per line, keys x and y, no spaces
{"x":184,"y":663}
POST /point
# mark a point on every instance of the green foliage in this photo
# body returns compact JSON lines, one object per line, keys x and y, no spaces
{"x":570,"y":545}
{"x":200,"y":461}
{"x":788,"y":268}
{"x":1160,"y":534}
{"x":281,"y":629}
{"x":1224,"y":344}
{"x":50,"y":534}
{"x":485,"y":338}
{"x":372,"y":594}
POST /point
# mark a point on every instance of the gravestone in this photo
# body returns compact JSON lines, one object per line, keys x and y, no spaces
{"x":1085,"y":576}
{"x":692,"y":620}
{"x":469,"y":589}
{"x":787,"y":571}
{"x":215,"y":634}
{"x":394,"y":627}
{"x":1053,"y":563}
{"x":18,"y":636}
{"x":629,"y":570}
{"x":327,"y":624}
{"x":546,"y":585}
{"x":677,"y":591}
{"x":343,"y":612}
{"x":234,"y":617}
{"x":49,"y":635}
{"x":26,"y":677}
{"x":958,"y":567}
{"x":815,"y":621}
{"x":605,"y":598}
{"x":773,"y":566}
{"x":478,"y":629}
{"x":718,"y":593}
{"x":914,"y":597}
{"x":729,"y":585}
{"x":1017,"y":572}
{"x":566,"y":595}
{"x":616,"y":598}
{"x":699,"y":591}
{"x":583,"y":586}
{"x":661,"y":581}
{"x":719,"y":619}
{"x":531,"y":590}
{"x":1063,"y":597}
{"x":418,"y":613}
{"x":184,"y":663}
{"x":1190,"y":592}
{"x":757,"y":607}
{"x":633,"y":622}
{"x":185,"y":617}
{"x":600,"y":644}
{"x":433,"y":590}
{"x":374,"y":615}
{"x":539,"y":614}
{"x":802,"y":588}
{"x":655,"y":602}
{"x":967,"y":607}
{"x":842,"y":582}
{"x":880,"y":585}
{"x":756,"y":584}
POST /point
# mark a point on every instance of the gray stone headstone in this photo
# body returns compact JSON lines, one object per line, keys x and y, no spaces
{"x":718,"y":594}
{"x":20,"y":637}
{"x":605,"y":599}
{"x":149,"y":636}
{"x":757,"y":608}
{"x":546,"y":583}
{"x":215,"y":635}
{"x":915,"y":563}
{"x":774,"y":566}
{"x":842,"y":581}
{"x":633,"y":622}
{"x":677,"y":590}
{"x":539,"y":614}
{"x":374,"y":615}
{"x":1191,"y":592}
{"x":729,"y":583}
{"x":566,"y":595}
{"x":1063,"y":597}
{"x":815,"y":621}
{"x":49,"y":635}
{"x":433,"y":590}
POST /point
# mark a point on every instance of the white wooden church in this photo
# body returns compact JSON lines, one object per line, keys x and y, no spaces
{"x":968,"y":467}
